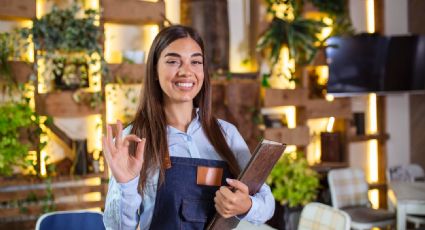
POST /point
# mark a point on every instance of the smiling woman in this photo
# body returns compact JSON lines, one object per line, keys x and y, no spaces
{"x":173,"y":165}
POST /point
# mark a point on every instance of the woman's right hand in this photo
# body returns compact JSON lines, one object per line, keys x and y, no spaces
{"x":124,"y":167}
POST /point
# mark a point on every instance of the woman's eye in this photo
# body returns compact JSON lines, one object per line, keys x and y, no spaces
{"x":172,"y":62}
{"x":197,"y":62}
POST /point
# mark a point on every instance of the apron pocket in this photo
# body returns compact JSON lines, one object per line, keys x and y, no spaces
{"x":196,"y":213}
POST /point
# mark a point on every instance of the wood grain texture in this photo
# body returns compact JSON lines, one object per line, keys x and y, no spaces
{"x":13,"y":9}
{"x":62,"y":104}
{"x":417,"y":127}
{"x":283,"y":97}
{"x":416,"y":16}
{"x":132,"y":11}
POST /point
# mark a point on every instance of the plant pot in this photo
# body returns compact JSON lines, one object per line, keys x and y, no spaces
{"x":285,"y":217}
{"x":70,"y":71}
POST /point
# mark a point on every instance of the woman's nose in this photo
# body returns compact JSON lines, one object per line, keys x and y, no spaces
{"x":185,"y":70}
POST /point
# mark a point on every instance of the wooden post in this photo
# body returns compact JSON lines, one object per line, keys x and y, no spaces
{"x":210,"y":19}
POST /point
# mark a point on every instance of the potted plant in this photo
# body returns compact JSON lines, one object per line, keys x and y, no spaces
{"x":68,"y":42}
{"x":289,"y":28}
{"x":293,"y":184}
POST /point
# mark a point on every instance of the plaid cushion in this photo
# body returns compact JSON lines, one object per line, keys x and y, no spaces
{"x":348,"y":187}
{"x":323,"y":217}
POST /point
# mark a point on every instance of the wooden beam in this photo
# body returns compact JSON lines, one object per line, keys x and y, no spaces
{"x":132,"y":12}
{"x":127,"y":73}
{"x":297,"y":136}
{"x":62,"y":104}
{"x":21,"y":9}
{"x":285,"y":97}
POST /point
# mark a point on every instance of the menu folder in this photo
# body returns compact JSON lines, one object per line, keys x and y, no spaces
{"x":265,"y":156}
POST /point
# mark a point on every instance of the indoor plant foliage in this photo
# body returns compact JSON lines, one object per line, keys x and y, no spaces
{"x":67,"y":40}
{"x":292,"y":181}
{"x":16,"y":118}
{"x":288,"y":28}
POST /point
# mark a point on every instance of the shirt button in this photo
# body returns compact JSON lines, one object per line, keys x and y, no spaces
{"x":188,"y":138}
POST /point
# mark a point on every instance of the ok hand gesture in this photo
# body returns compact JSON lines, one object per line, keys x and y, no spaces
{"x":124,"y":167}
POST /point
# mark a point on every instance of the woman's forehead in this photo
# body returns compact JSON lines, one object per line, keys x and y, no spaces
{"x":183,"y":46}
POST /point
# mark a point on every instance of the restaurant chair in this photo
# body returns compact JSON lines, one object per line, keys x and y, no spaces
{"x":408,"y":173}
{"x":70,"y":220}
{"x":349,"y":192}
{"x":321,"y":216}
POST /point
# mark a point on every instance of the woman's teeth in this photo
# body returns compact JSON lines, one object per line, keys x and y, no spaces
{"x":184,"y":84}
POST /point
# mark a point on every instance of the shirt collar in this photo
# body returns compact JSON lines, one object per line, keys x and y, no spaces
{"x":194,"y":125}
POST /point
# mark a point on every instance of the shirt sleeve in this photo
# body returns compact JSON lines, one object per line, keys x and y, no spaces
{"x":122,"y":205}
{"x":263,"y":203}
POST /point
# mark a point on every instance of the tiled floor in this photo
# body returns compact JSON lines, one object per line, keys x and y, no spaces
{"x":243,"y":225}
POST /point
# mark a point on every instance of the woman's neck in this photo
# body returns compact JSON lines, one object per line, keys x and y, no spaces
{"x":179,"y":115}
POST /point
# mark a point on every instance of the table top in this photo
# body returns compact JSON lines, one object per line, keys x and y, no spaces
{"x":408,"y":191}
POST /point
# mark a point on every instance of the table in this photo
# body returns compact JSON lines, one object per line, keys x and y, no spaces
{"x":409,"y":198}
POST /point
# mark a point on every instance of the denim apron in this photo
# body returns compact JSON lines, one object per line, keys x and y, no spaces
{"x":181,"y":203}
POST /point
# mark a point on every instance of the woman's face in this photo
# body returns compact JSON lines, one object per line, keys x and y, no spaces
{"x":181,"y":71}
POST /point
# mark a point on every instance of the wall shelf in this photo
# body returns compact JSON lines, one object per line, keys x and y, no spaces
{"x":285,"y":97}
{"x":22,"y":9}
{"x":296,"y":136}
{"x":132,"y":12}
{"x":127,"y":73}
{"x":62,"y":104}
{"x":368,"y":137}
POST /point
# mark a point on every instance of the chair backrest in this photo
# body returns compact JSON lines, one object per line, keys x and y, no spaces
{"x":411,"y":172}
{"x":324,"y":217}
{"x":71,"y":220}
{"x":348,"y":187}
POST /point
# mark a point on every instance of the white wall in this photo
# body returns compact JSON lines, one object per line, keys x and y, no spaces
{"x":397,"y":106}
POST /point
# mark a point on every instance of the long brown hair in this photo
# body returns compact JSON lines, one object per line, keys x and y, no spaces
{"x":150,"y":121}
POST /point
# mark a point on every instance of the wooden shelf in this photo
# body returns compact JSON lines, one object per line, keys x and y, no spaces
{"x":360,"y":138}
{"x":68,"y":195}
{"x":320,"y":108}
{"x":324,"y":167}
{"x":285,"y":97}
{"x":21,"y":71}
{"x":22,"y":9}
{"x":62,"y":104}
{"x":127,"y":73}
{"x":298,"y":136}
{"x":132,"y":11}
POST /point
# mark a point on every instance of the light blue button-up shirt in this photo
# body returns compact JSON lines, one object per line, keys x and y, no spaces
{"x":123,"y":201}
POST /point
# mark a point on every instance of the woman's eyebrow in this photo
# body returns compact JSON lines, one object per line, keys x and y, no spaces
{"x":172,"y":55}
{"x":178,"y":55}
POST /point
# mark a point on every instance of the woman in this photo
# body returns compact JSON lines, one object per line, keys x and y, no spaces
{"x":169,"y":166}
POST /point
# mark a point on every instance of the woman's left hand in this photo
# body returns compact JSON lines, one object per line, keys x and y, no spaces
{"x":228,"y":203}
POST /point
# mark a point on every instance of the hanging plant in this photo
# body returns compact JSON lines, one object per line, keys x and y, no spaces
{"x":17,"y":120}
{"x":288,"y":28}
{"x":67,"y":41}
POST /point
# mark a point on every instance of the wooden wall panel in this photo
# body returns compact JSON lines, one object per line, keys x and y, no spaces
{"x":417,"y":127}
{"x":17,"y":9}
{"x":416,"y":16}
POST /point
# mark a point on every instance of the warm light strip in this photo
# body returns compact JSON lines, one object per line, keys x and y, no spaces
{"x":330,"y":124}
{"x":373,"y":123}
{"x":40,"y":8}
{"x":374,"y":198}
{"x":372,"y":144}
{"x":370,"y":11}
{"x":373,"y":160}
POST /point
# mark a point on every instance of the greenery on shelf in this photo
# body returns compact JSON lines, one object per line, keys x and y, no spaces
{"x":68,"y":41}
{"x":289,"y":28}
{"x":16,"y":118}
{"x":292,"y":181}
{"x":12,"y":46}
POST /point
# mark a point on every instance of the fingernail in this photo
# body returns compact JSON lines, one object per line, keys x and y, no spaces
{"x":139,"y":140}
{"x":228,"y":180}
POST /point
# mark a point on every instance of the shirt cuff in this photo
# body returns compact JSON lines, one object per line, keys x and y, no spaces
{"x":251,"y":213}
{"x":130,"y":188}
